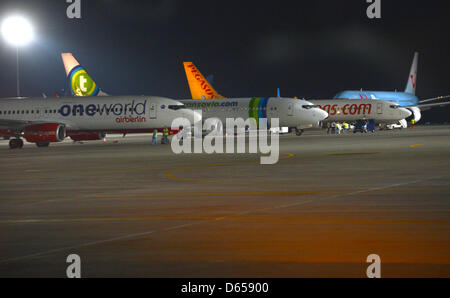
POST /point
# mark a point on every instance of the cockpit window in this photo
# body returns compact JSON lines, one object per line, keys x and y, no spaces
{"x":394,"y":106}
{"x":309,"y":106}
{"x":177,"y":107}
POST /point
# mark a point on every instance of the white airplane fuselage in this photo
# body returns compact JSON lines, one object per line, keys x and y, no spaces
{"x":106,"y":114}
{"x":381,"y":111}
{"x":290,"y":112}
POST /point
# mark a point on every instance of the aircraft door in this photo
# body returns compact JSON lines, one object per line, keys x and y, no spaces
{"x":379,"y":108}
{"x":152,"y":111}
{"x":290,"y":109}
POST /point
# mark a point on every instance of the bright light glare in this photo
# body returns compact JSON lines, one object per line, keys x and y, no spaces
{"x":17,"y":30}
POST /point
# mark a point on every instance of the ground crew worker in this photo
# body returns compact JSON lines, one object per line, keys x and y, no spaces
{"x":412,"y":123}
{"x":165,"y":139}
{"x":155,"y":137}
{"x":346,"y":126}
{"x":338,"y":128}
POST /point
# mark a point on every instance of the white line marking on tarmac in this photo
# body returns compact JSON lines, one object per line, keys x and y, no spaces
{"x":135,"y":235}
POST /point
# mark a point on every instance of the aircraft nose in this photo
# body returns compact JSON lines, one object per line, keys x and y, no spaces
{"x":322,"y":114}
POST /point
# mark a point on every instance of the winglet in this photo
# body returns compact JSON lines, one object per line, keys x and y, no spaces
{"x":200,"y":87}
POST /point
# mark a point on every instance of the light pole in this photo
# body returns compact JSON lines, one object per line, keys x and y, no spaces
{"x":17,"y":31}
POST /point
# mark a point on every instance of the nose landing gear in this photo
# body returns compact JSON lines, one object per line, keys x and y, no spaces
{"x":298,"y":132}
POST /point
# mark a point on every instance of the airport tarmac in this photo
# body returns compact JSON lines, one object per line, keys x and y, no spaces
{"x":130,"y":209}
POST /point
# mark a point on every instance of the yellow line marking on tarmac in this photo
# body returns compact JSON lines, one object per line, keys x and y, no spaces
{"x":352,"y":153}
{"x":170,"y":173}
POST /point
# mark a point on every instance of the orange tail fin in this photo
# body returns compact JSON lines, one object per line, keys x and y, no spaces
{"x":199,"y":86}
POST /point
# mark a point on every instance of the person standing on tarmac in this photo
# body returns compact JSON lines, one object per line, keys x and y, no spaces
{"x":165,"y":138}
{"x":333,"y":128}
{"x":412,"y":123}
{"x":346,"y":126}
{"x":155,"y":137}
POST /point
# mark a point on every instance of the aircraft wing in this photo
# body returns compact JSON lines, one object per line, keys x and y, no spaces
{"x":428,"y":105}
{"x":434,"y":98}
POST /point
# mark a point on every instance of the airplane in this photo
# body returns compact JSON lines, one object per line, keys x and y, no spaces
{"x":46,"y":120}
{"x":338,"y":110}
{"x":294,"y":113}
{"x":381,"y":111}
{"x":406,"y":99}
{"x":298,"y":114}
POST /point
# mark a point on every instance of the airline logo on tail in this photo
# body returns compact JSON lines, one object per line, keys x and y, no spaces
{"x":413,"y":82}
{"x":199,"y":86}
{"x":81,"y":84}
{"x":411,"y":85}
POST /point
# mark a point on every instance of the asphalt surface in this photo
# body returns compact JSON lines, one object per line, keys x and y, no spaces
{"x":130,"y":209}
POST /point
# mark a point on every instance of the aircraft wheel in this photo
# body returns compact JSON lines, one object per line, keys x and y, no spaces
{"x":42,"y":144}
{"x":298,"y":132}
{"x":15,"y":143}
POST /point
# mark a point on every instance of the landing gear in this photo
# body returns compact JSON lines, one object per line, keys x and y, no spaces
{"x":15,"y":143}
{"x":42,"y":144}
{"x":298,"y":132}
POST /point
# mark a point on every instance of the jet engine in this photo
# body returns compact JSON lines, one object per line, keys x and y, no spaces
{"x":43,"y":133}
{"x":416,"y":113}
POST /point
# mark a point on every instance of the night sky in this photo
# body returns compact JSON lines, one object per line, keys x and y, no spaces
{"x":312,"y":49}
